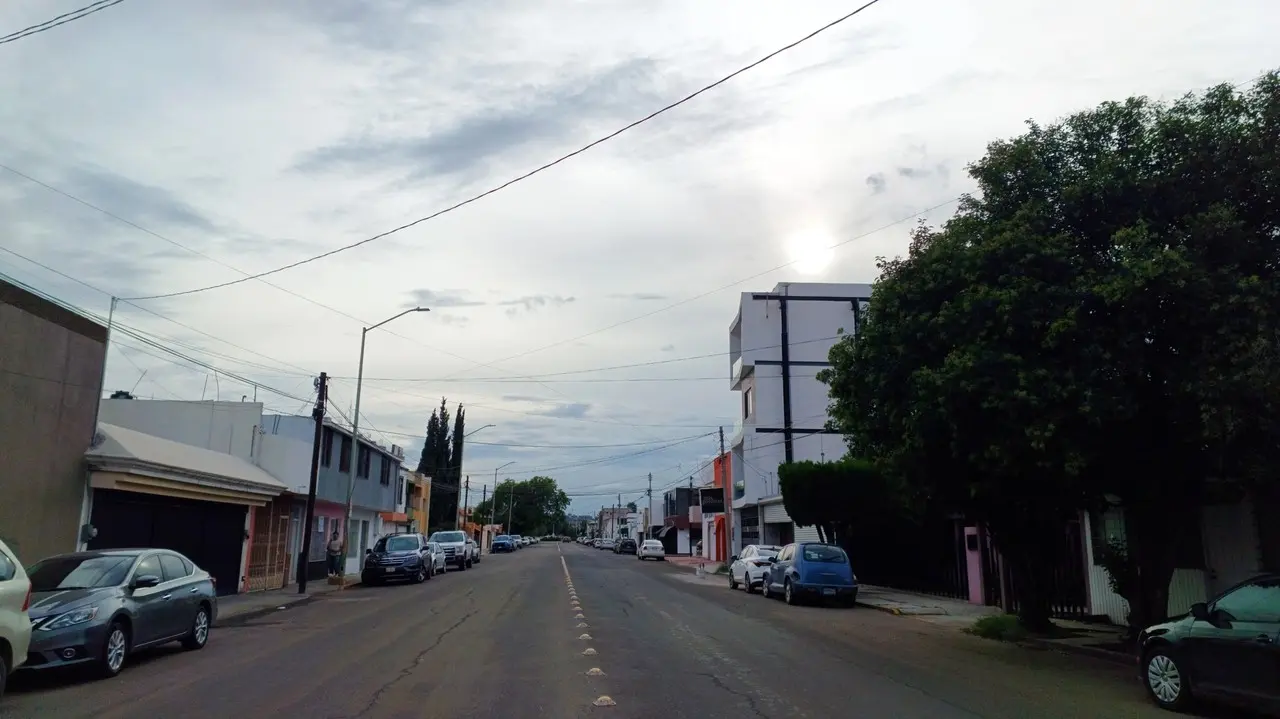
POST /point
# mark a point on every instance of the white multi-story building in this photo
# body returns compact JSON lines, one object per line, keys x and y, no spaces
{"x":778,"y":342}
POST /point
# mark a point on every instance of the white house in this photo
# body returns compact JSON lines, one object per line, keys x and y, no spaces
{"x":778,"y":342}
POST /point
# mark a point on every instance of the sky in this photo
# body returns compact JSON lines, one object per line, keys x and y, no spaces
{"x":156,"y":147}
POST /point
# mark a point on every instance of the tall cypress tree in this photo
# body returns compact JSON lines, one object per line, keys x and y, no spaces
{"x":444,"y":488}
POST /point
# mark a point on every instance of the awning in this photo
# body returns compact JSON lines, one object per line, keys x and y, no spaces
{"x":394,"y":517}
{"x":133,"y":461}
{"x":663,"y":532}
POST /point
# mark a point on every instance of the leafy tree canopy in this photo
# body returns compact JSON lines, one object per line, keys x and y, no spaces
{"x":537,"y":507}
{"x":1100,"y":320}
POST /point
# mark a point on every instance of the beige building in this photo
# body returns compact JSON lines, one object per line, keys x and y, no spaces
{"x":51,"y":362}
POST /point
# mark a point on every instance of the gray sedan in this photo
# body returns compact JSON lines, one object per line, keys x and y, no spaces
{"x":95,"y":608}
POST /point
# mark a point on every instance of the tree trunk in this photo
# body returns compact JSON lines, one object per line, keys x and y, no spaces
{"x":1152,"y":546}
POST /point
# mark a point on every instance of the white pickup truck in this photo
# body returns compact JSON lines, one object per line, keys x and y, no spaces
{"x":457,"y":552}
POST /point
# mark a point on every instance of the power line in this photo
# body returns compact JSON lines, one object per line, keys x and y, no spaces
{"x":633,"y":365}
{"x":526,"y":175}
{"x":62,"y":19}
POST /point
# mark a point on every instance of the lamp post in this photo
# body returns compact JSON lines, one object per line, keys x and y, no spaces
{"x":494,"y":508}
{"x":355,"y":435}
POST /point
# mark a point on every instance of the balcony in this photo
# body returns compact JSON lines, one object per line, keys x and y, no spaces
{"x":739,"y":371}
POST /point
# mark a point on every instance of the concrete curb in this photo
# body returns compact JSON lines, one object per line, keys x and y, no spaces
{"x":1084,"y":651}
{"x":888,"y":610}
{"x":251,"y":614}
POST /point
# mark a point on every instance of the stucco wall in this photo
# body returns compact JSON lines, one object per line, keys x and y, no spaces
{"x":51,"y":362}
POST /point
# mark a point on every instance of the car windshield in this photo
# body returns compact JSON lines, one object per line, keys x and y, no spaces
{"x":652,"y":543}
{"x":502,"y":538}
{"x":78,"y":572}
{"x":767,"y":552}
{"x":396,"y":543}
{"x":449,"y":537}
{"x":823,"y":553}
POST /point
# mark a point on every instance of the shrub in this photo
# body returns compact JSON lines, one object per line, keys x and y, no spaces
{"x":1000,"y":627}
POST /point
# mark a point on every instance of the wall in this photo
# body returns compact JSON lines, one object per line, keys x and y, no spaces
{"x":51,"y":363}
{"x":287,"y":459}
{"x":813,"y":327}
{"x":227,"y":427}
{"x":1230,"y":543}
{"x":369,"y":492}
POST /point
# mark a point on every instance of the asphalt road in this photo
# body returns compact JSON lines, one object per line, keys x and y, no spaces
{"x":503,"y":639}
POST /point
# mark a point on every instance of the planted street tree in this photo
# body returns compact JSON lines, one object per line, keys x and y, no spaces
{"x":1100,"y":324}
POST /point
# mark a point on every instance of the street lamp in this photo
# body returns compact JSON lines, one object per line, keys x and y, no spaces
{"x":355,"y":431}
{"x":494,"y":507}
{"x":487,"y":426}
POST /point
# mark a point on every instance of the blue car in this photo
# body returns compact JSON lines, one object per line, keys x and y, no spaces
{"x":502,"y":544}
{"x":811,"y":571}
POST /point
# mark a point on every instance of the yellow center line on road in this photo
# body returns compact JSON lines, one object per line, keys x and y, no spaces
{"x":604,"y":700}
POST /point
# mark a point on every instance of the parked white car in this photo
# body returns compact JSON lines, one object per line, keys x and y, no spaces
{"x":651,"y":549}
{"x":15,"y":623}
{"x":752,"y":566}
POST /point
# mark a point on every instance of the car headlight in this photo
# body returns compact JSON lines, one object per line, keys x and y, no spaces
{"x":71,"y":618}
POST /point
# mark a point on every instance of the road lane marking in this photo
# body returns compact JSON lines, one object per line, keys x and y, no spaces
{"x":582,"y":625}
{"x":589,"y":652}
{"x":605,"y":701}
{"x":579,"y":616}
{"x":585,"y":636}
{"x":595,"y":672}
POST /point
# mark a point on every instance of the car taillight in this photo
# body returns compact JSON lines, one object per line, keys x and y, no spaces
{"x":26,"y":603}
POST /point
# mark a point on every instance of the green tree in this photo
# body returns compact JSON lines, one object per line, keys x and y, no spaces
{"x":441,"y":460}
{"x":1100,"y":322}
{"x":848,"y":501}
{"x":537,"y":506}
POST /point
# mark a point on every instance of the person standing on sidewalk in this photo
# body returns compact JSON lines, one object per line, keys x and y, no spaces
{"x":335,"y":554}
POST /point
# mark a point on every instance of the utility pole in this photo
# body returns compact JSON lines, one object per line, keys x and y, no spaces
{"x":466,"y":494}
{"x":649,"y":517}
{"x":484,"y":494}
{"x":511,"y":500}
{"x":322,"y":393}
{"x":725,"y":481}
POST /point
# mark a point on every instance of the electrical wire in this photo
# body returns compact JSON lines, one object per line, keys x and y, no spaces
{"x":527,"y":175}
{"x":62,"y":19}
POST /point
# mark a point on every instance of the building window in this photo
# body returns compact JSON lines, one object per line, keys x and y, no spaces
{"x":344,"y":455}
{"x":365,"y":458}
{"x":385,"y":476}
{"x":326,"y":447}
{"x":748,"y":403}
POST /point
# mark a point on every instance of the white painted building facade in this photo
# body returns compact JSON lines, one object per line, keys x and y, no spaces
{"x":778,"y":342}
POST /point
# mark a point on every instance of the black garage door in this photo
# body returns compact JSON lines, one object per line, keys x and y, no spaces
{"x":210,"y":533}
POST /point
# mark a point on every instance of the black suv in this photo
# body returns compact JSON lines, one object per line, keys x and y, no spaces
{"x":626,"y":545}
{"x":398,"y":556}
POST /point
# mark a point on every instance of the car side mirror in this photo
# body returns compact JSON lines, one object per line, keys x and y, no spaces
{"x":733,"y":558}
{"x":145,"y":581}
{"x":1200,"y":611}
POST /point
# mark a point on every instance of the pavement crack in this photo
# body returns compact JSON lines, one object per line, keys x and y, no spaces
{"x":411,"y":667}
{"x":750,"y":700}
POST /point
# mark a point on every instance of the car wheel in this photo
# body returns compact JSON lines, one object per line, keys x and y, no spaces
{"x":764,"y":588}
{"x":733,"y":583}
{"x":1166,"y":683}
{"x":4,"y":674}
{"x":788,"y":595}
{"x":751,"y":588}
{"x":420,"y":576}
{"x":115,"y":648}
{"x":199,"y":635}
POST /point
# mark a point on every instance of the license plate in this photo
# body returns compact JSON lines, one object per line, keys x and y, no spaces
{"x":829,"y":592}
{"x":390,"y":570}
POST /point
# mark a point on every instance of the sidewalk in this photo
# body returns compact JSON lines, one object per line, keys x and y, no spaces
{"x":243,"y":607}
{"x":939,"y":610}
{"x":691,"y":563}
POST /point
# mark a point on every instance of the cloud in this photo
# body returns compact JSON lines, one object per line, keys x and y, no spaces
{"x":575,"y":410}
{"x":453,"y":320}
{"x":531,"y":303}
{"x":441,"y":299}
{"x":667,"y":348}
{"x":543,"y":115}
{"x":639,"y":296}
{"x":877,"y":183}
{"x":522,"y":398}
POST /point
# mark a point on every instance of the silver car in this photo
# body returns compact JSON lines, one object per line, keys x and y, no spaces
{"x":456,"y":552}
{"x":97,"y":607}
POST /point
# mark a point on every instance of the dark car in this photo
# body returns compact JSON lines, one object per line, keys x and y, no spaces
{"x":1227,"y":649}
{"x":501,"y":545}
{"x":626,"y":545}
{"x":398,"y":557}
{"x":96,"y":608}
{"x":811,"y":571}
